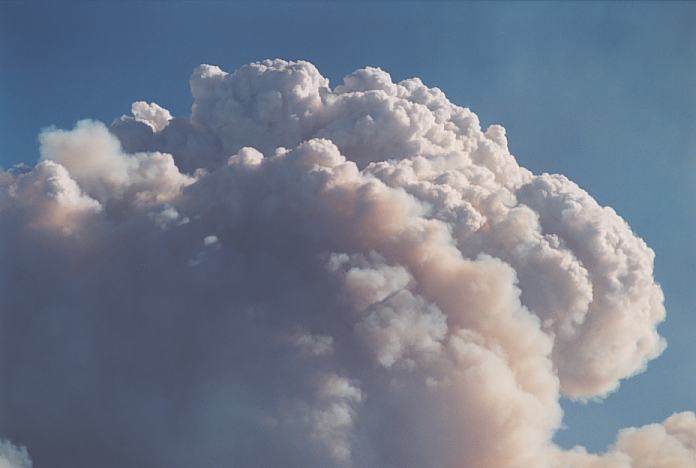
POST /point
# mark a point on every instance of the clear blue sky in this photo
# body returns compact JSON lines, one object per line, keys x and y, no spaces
{"x":604,"y":93}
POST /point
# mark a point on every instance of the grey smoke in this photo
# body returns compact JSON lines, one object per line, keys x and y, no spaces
{"x":305,"y":276}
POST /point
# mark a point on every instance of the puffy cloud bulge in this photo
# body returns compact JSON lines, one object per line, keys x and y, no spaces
{"x":306,"y":276}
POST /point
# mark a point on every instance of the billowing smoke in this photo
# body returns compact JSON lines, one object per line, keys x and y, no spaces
{"x":306,"y":276}
{"x":13,"y":457}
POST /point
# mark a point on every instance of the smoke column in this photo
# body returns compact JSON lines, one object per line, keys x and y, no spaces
{"x":305,"y":276}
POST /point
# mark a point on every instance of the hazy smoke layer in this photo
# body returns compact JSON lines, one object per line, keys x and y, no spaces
{"x":302,"y":276}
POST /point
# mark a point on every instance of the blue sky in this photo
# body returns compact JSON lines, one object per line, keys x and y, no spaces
{"x":604,"y":93}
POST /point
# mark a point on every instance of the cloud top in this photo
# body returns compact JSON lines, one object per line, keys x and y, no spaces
{"x":314,"y":276}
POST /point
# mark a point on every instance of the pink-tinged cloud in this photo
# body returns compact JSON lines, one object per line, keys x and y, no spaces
{"x":305,"y":276}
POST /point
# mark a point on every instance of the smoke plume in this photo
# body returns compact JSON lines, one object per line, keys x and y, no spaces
{"x":305,"y":276}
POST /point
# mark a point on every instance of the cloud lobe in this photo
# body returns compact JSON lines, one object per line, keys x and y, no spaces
{"x":300,"y":275}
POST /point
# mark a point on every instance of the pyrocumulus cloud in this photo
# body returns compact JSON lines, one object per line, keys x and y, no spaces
{"x":305,"y":276}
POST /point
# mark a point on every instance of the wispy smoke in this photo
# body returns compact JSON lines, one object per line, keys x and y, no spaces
{"x":303,"y":276}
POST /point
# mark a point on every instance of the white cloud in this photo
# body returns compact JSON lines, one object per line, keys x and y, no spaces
{"x":356,"y":276}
